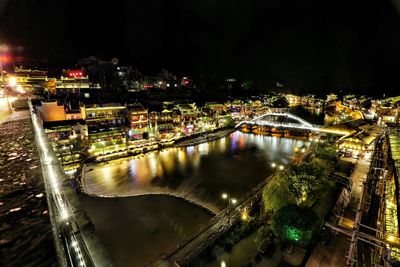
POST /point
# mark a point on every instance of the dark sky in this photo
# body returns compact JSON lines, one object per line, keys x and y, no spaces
{"x":332,"y":45}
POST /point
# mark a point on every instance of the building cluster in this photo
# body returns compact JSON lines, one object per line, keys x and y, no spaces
{"x":88,"y":76}
{"x":102,"y":131}
{"x":306,"y":100}
{"x":387,"y":110}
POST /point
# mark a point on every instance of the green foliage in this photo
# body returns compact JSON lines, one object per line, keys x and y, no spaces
{"x":239,"y":232}
{"x":295,"y":224}
{"x":330,"y":110}
{"x":304,"y":182}
{"x":307,"y":168}
{"x":367,"y":103}
{"x":327,"y":152}
{"x":275,"y":196}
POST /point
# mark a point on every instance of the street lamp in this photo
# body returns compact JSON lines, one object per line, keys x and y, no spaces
{"x":279,"y":167}
{"x":230,"y":202}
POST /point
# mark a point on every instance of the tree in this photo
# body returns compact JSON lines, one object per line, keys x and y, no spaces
{"x":295,"y":224}
{"x":330,"y":110}
{"x":327,"y":152}
{"x":304,"y":182}
{"x":275,"y":196}
{"x":367,"y":103}
{"x":281,"y":102}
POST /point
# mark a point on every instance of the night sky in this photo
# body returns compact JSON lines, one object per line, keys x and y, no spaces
{"x":329,"y":45}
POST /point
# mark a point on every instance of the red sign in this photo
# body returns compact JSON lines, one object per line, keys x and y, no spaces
{"x":75,"y":73}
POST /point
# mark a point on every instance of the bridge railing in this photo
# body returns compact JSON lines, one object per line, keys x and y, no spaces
{"x":301,"y":125}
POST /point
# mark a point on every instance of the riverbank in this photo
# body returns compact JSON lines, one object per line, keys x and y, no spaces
{"x":208,"y":137}
{"x":182,"y":142}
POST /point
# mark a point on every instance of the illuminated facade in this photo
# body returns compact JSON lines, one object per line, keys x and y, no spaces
{"x":293,"y":100}
{"x":188,"y":117}
{"x":161,"y":125}
{"x":27,"y":80}
{"x":106,"y":129}
{"x":138,"y":123}
{"x":51,"y":111}
{"x":69,"y":141}
{"x":73,"y":81}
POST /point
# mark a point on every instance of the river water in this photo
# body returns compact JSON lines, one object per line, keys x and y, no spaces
{"x":233,"y":164}
{"x":137,"y":229}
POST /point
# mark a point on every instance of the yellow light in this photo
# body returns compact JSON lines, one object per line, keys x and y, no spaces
{"x":391,"y":238}
{"x":224,"y":195}
{"x":20,"y":89}
{"x":12,"y":81}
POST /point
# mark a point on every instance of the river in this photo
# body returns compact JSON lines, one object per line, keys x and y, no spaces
{"x":135,"y":230}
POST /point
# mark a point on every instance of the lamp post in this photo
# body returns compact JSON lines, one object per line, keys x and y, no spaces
{"x":277,"y":167}
{"x":230,"y":202}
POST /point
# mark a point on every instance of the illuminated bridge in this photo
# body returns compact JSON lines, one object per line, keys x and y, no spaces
{"x":280,"y":121}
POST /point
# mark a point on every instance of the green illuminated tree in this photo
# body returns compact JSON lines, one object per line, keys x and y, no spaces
{"x":295,"y":224}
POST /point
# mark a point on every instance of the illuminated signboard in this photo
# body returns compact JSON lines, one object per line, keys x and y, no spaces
{"x":75,"y":73}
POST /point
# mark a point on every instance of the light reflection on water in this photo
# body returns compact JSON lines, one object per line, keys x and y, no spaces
{"x":234,"y":164}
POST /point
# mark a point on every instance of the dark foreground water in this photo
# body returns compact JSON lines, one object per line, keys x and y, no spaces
{"x":136,"y":229}
{"x":25,"y":231}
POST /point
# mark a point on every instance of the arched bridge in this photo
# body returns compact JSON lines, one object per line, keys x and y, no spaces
{"x":280,"y":121}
